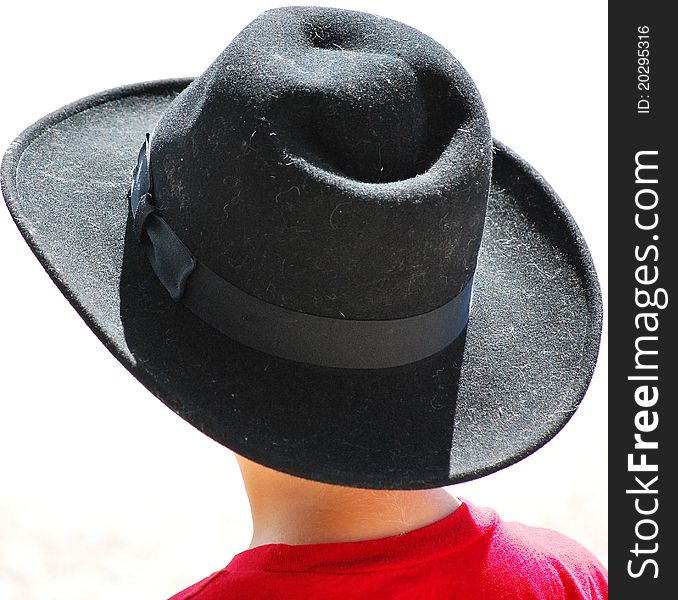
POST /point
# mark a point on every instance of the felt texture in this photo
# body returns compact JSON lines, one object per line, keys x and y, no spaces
{"x":331,"y":162}
{"x":256,"y":323}
{"x":510,"y":382}
{"x":527,"y":359}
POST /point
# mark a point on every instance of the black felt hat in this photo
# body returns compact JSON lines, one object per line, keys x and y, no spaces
{"x":323,"y":260}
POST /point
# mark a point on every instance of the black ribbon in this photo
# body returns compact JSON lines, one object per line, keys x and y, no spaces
{"x":323,"y":341}
{"x":171,"y":260}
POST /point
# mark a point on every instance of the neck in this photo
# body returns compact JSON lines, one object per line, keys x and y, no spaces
{"x":291,"y":510}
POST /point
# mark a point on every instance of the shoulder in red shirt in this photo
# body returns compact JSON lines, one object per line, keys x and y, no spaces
{"x":471,"y":554}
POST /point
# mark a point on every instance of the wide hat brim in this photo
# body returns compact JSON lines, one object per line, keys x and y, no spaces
{"x":503,"y":390}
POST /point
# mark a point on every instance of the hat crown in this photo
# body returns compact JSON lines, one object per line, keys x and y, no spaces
{"x":359,"y":114}
{"x":331,"y":162}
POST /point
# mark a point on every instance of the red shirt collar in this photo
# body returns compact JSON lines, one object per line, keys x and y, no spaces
{"x":452,"y":533}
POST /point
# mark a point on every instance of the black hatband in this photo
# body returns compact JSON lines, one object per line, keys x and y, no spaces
{"x":313,"y":339}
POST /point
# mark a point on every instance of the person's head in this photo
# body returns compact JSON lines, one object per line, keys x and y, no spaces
{"x":338,"y":279}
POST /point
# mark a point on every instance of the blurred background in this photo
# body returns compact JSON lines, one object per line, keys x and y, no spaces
{"x":104,"y":493}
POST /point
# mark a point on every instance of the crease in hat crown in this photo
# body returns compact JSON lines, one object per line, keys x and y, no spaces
{"x":329,"y":162}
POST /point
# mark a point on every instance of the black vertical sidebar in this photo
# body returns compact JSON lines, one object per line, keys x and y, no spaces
{"x":642,"y":299}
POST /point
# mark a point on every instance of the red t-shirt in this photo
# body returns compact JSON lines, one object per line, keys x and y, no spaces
{"x":467,"y":555}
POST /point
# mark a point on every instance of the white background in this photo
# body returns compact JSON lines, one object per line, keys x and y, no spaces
{"x":106,"y":494}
